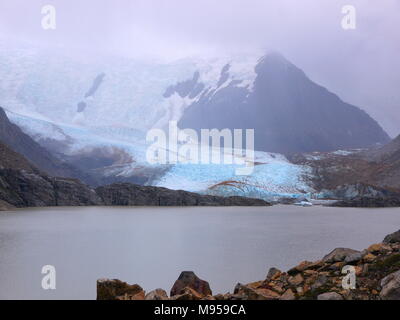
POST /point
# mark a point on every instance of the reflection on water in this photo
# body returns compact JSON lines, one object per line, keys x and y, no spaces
{"x":151,"y":246}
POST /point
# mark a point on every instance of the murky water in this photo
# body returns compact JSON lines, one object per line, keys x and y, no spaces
{"x":151,"y":246}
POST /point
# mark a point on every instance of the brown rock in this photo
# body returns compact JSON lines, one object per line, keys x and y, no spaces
{"x":114,"y":289}
{"x":379,"y":247}
{"x":296,"y":280}
{"x":300,"y":268}
{"x":187,"y":294}
{"x":247,"y":293}
{"x":190,"y":280}
{"x":255,"y":285}
{"x":310,"y":272}
{"x":369,"y":258}
{"x":273,"y":274}
{"x":138,"y":296}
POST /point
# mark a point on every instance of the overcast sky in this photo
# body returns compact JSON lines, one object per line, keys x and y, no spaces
{"x":362,"y":66}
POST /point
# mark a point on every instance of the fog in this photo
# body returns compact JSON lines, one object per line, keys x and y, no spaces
{"x":361,"y":65}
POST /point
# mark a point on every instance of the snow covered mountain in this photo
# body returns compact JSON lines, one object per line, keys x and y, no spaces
{"x":94,"y":113}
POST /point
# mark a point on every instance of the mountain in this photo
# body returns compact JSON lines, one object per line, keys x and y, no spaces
{"x":93,"y":113}
{"x":12,"y":136}
{"x":288,"y":112}
{"x":354,"y":170}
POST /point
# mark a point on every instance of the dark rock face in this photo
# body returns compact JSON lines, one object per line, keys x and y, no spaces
{"x":189,"y":88}
{"x":288,"y":111}
{"x":361,"y":190}
{"x":12,"y":136}
{"x":29,"y":189}
{"x":23,"y":185}
{"x":188,"y":279}
{"x":125,"y":194}
{"x":95,"y":85}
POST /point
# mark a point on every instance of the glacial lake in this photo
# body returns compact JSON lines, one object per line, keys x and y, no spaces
{"x":151,"y":246}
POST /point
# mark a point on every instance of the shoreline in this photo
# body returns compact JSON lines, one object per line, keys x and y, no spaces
{"x":342,"y":274}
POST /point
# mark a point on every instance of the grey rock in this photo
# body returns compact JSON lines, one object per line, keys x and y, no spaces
{"x":339,"y":254}
{"x":392,"y":238}
{"x":391,"y":287}
{"x":330,"y":296}
{"x":353,"y":258}
{"x":319,"y":282}
{"x":158,"y":294}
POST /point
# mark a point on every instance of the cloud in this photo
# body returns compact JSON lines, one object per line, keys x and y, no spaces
{"x":361,"y":65}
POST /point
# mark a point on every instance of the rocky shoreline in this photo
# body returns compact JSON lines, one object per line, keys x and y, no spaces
{"x":24,"y":188}
{"x":376,"y":270}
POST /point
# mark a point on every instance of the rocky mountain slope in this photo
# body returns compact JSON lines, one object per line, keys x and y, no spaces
{"x":288,"y":112}
{"x":376,"y":271}
{"x":23,"y":185}
{"x":379,"y":167}
{"x":12,"y":136}
{"x":96,"y":113}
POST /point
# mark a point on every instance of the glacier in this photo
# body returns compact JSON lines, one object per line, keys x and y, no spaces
{"x":52,"y":97}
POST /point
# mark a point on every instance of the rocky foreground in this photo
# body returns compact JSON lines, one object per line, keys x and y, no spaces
{"x":377,"y":271}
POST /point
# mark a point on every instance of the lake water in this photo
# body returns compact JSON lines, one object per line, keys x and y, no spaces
{"x":151,"y":246}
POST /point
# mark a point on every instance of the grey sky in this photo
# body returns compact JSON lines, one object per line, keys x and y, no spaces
{"x":361,"y":65}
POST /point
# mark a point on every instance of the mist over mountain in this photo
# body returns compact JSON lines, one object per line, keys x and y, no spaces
{"x":94,"y":116}
{"x":288,"y":112}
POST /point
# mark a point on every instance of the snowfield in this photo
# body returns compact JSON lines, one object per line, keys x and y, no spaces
{"x":53,"y":97}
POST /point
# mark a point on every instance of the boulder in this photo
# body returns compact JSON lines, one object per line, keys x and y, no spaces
{"x":158,"y":294}
{"x":190,"y":280}
{"x":392,"y":238}
{"x":353,"y":258}
{"x":273,"y":273}
{"x":391,"y":287}
{"x":330,"y":296}
{"x":338,"y":255}
{"x":116,"y":290}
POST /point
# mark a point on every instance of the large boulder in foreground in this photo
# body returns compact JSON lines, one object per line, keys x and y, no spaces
{"x":188,"y":279}
{"x":117,"y":290}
